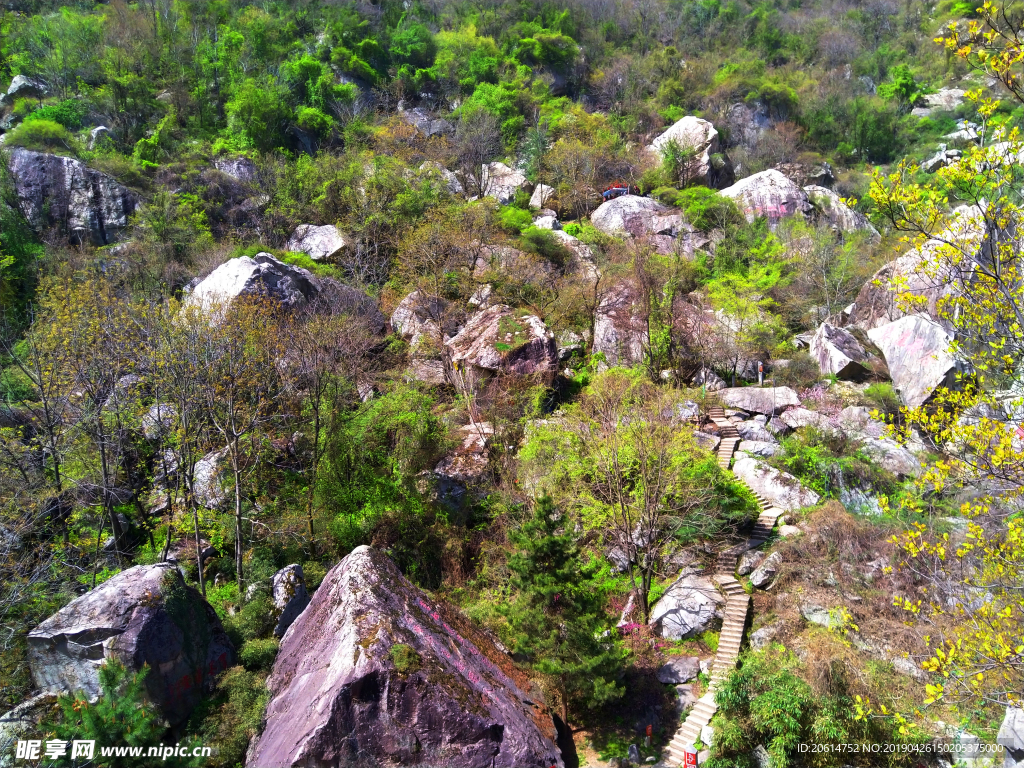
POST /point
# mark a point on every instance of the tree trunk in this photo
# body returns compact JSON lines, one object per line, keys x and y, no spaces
{"x":238,"y":521}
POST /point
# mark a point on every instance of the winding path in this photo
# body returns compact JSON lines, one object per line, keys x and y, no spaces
{"x":737,"y":604}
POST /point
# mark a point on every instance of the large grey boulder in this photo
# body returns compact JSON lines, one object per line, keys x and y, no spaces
{"x":620,"y":332}
{"x":449,"y":179}
{"x":890,"y":455}
{"x":238,"y":168}
{"x":22,"y":723}
{"x":749,"y":560}
{"x":374,"y":672}
{"x":209,"y":479}
{"x":766,"y":572}
{"x":62,"y":192}
{"x":288,"y":590}
{"x":144,"y":616}
{"x":418,"y":318}
{"x":678,"y":669}
{"x":779,"y":488}
{"x":828,"y":207}
{"x":627,"y":215}
{"x":689,"y":607}
{"x":23,"y":87}
{"x":1011,"y":737}
{"x":766,"y":400}
{"x":916,"y":351}
{"x":158,"y":420}
{"x":293,"y":287}
{"x":916,"y":273}
{"x":841,"y":353}
{"x":500,"y":339}
{"x":797,"y":418}
{"x":319,"y":243}
{"x":698,"y":138}
{"x":768,"y":193}
{"x":541,"y":194}
{"x":501,"y":182}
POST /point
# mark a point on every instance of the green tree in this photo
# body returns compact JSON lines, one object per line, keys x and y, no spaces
{"x":558,"y":614}
{"x":260,"y":112}
{"x":121,"y":715}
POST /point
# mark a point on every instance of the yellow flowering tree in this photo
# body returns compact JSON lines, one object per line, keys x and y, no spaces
{"x":966,"y":225}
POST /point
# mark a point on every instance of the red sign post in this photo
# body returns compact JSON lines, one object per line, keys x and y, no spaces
{"x":690,"y":757}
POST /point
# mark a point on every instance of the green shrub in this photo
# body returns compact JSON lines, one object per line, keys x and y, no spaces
{"x":801,"y":371}
{"x":42,"y":135}
{"x":515,"y":220}
{"x":254,"y":621}
{"x":257,"y":655}
{"x":68,"y":113}
{"x":405,"y":659}
{"x":314,"y":574}
{"x":706,"y":209}
{"x":883,"y":397}
{"x":544,"y":243}
{"x":232,"y":716}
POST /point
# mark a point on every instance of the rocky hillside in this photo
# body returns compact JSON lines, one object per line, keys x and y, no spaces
{"x":470,"y":385}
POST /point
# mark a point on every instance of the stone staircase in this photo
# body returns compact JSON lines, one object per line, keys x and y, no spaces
{"x":737,"y":604}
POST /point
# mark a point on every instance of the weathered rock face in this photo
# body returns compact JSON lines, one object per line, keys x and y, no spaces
{"x":500,"y":339}
{"x":469,"y":460}
{"x":690,"y":606}
{"x":319,"y":243}
{"x":876,"y":301}
{"x":629,"y":214}
{"x":290,"y":596}
{"x":502,"y":182}
{"x":374,"y":673}
{"x":145,"y":615}
{"x":513,"y":264}
{"x":768,"y":193}
{"x":781,"y":489}
{"x":61,"y":191}
{"x":916,"y":350}
{"x":891,"y":456}
{"x":841,"y":353}
{"x":830,"y":208}
{"x":767,"y":400}
{"x":698,"y":136}
{"x":619,"y":331}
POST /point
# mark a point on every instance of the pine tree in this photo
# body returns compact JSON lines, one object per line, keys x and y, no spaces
{"x":557,"y":615}
{"x":120,"y":716}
